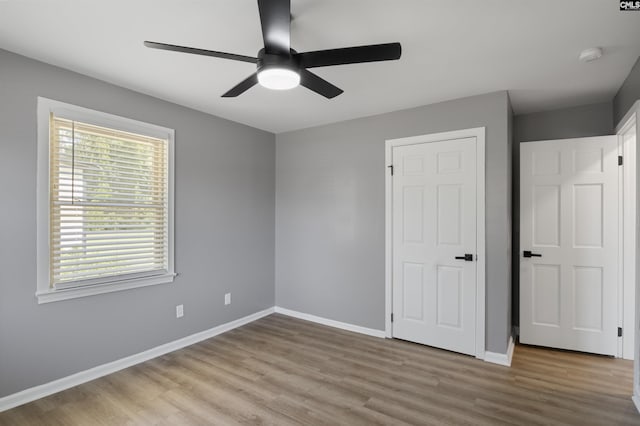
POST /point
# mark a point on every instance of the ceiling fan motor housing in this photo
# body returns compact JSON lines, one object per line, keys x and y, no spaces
{"x":271,"y":60}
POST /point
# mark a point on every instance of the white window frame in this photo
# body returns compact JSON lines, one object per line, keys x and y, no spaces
{"x":45,"y":292}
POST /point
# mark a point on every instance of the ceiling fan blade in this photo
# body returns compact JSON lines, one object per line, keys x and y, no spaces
{"x":275,"y":17}
{"x":350,"y":55}
{"x":195,"y":51}
{"x":242,"y":87}
{"x":318,"y":85}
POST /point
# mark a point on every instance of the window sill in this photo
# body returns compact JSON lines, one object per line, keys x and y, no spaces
{"x":73,"y":293}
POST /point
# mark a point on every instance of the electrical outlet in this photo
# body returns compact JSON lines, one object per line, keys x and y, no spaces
{"x":227,"y":299}
{"x":179,"y":311}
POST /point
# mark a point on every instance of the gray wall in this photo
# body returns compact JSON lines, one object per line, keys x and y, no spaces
{"x":330,"y":211}
{"x":574,"y":122}
{"x":628,"y":94}
{"x":224,"y":232}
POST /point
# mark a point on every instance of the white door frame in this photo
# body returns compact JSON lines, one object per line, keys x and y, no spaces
{"x":634,"y":112}
{"x":626,"y":262}
{"x":479,"y":134}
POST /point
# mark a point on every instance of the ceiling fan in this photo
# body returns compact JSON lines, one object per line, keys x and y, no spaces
{"x":280,"y":67}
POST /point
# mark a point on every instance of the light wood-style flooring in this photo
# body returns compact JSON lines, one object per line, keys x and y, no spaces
{"x":284,"y":371}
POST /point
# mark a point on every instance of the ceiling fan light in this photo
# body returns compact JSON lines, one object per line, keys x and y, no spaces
{"x":278,"y":78}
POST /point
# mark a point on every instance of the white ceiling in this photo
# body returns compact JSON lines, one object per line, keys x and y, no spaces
{"x":451,"y":49}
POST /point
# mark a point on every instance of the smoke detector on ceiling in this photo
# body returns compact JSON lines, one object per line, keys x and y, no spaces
{"x":591,"y":54}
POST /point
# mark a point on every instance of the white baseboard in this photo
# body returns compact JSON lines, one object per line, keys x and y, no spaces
{"x":50,"y":388}
{"x":636,"y":401}
{"x":331,"y":323}
{"x":501,"y":359}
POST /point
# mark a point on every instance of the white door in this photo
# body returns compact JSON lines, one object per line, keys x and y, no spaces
{"x":434,"y":227}
{"x":569,"y":227}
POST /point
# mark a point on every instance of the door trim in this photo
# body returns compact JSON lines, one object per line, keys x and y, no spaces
{"x":627,"y":266}
{"x":479,"y":134}
{"x":634,"y":112}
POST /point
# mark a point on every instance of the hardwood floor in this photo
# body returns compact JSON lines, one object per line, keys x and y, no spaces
{"x":284,"y":371}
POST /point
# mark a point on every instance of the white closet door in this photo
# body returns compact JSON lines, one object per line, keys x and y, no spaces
{"x":569,"y":244}
{"x":434,"y":227}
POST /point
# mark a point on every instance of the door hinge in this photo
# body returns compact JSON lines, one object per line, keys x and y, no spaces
{"x":619,"y":331}
{"x":619,"y":160}
{"x":391,"y":167}
{"x":391,"y":317}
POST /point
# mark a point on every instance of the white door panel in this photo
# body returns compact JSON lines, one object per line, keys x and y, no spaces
{"x":569,"y":217}
{"x":434,"y":221}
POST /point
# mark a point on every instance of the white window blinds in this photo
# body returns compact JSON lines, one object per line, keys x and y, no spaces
{"x":108,"y":204}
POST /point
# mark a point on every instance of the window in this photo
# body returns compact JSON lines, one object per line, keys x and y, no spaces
{"x":105,"y":202}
